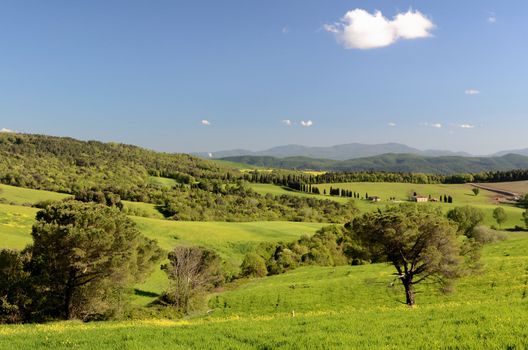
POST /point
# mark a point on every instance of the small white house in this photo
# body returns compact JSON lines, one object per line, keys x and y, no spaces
{"x":420,"y":199}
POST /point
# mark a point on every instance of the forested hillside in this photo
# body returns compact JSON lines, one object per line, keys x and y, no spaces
{"x":67,"y":165}
{"x":202,"y":190}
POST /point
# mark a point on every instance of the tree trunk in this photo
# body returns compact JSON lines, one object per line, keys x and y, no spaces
{"x":409,"y":292}
{"x":68,"y":294}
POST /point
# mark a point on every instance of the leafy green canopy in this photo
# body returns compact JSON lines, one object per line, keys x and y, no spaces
{"x":418,"y":241}
{"x":84,"y":256}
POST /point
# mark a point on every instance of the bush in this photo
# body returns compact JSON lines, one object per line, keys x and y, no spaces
{"x":467,"y":218}
{"x":253,"y":266}
{"x":485,"y":235}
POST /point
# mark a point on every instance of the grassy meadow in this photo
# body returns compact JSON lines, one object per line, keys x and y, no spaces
{"x":462,"y":195}
{"x":230,"y":239}
{"x":20,"y":196}
{"x":354,"y":307}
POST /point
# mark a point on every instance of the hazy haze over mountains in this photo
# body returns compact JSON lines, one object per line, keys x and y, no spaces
{"x":345,"y":151}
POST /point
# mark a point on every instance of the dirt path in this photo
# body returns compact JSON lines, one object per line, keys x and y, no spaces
{"x":496,"y":190}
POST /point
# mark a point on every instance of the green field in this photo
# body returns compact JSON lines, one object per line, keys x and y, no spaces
{"x":462,"y":195}
{"x":19,"y":195}
{"x":162,"y":181}
{"x":15,"y":225}
{"x":230,"y":239}
{"x":351,"y":307}
{"x":234,"y":165}
{"x":342,"y":307}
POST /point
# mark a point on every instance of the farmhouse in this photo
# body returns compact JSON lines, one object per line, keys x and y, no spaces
{"x":374,"y":199}
{"x":419,"y":199}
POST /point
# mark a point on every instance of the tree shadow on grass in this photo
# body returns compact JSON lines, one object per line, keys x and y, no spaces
{"x":144,"y":293}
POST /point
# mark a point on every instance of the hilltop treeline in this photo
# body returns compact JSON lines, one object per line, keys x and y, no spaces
{"x":296,"y":180}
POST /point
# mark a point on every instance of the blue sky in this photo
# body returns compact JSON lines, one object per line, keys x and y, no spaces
{"x":149,"y":72}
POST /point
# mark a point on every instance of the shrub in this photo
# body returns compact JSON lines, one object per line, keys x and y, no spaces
{"x":484,"y":235}
{"x":253,"y":266}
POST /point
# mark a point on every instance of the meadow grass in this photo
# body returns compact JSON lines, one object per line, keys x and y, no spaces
{"x":15,"y":226}
{"x":162,"y":181}
{"x":462,"y":195}
{"x":235,"y":165}
{"x":232,"y":240}
{"x":145,"y":209}
{"x":351,"y":307}
{"x":19,"y":195}
{"x":355,"y":307}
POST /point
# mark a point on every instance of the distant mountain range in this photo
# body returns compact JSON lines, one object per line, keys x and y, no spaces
{"x":345,"y":152}
{"x":393,"y":163}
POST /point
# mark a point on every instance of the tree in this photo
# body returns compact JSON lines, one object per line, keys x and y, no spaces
{"x":525,"y":218}
{"x":476,"y":191}
{"x":523,"y":202}
{"x":467,"y":218}
{"x":499,"y":214}
{"x":191,"y":270}
{"x":253,"y":265}
{"x":83,"y":256}
{"x":14,"y":297}
{"x":419,"y":242}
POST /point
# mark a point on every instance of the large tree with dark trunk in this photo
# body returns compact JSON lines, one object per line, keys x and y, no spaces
{"x":417,"y":240}
{"x":83,"y":257}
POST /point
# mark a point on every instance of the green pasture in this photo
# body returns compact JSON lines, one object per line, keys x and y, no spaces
{"x":349,"y":307}
{"x":462,"y":195}
{"x":142,"y":209}
{"x":264,"y":189}
{"x":19,"y":195}
{"x":235,"y":165}
{"x":230,"y":239}
{"x":162,"y":181}
{"x":15,"y":225}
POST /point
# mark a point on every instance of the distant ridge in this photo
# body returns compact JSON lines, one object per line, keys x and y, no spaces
{"x":393,"y":163}
{"x":522,"y":152}
{"x":337,"y":152}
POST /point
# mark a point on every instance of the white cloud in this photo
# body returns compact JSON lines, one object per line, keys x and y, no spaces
{"x":466,"y":126}
{"x":392,"y":125}
{"x":472,"y":92}
{"x":359,"y":29}
{"x":307,"y":123}
{"x":287,"y":122}
{"x":7,"y":130}
{"x":491,"y":18}
{"x":205,"y":122}
{"x":433,"y":125}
